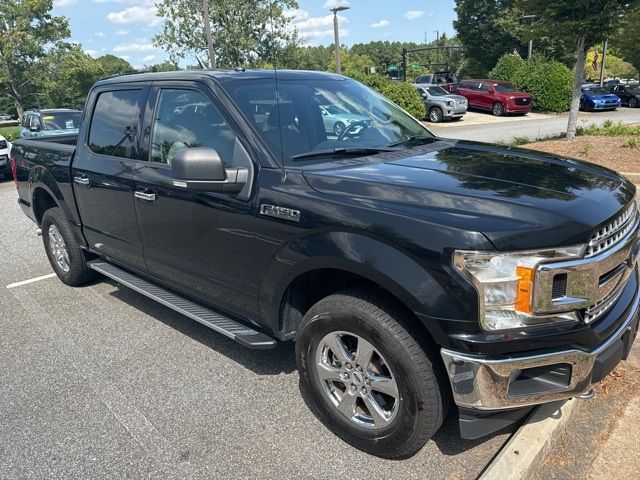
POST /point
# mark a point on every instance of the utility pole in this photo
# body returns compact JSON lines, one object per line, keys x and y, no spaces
{"x":207,"y":28}
{"x":336,"y":35}
{"x":604,"y":62}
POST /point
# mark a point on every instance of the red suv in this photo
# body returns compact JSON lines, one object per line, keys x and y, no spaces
{"x":498,"y":96}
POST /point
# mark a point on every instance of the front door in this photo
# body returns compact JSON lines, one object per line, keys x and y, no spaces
{"x":199,"y":242}
{"x":103,"y":174}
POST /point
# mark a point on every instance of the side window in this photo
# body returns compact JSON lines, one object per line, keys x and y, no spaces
{"x":26,"y":122}
{"x":114,"y":126}
{"x":483,"y":87}
{"x":465,"y":84}
{"x":188,"y":119}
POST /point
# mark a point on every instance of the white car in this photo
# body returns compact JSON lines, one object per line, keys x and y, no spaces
{"x":5,"y":151}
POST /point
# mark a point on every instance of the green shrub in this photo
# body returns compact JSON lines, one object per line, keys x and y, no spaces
{"x":400,"y":93}
{"x":609,"y":129}
{"x":10,"y":133}
{"x":548,"y":81}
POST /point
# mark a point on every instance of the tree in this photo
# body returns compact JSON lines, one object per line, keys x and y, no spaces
{"x":585,"y":22}
{"x":351,"y":62}
{"x":244,"y":31}
{"x":112,"y":65}
{"x":627,"y":39}
{"x":27,"y":29}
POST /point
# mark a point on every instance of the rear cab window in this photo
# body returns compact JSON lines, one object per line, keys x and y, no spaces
{"x":114,"y":124}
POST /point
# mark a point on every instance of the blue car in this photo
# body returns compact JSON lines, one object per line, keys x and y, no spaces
{"x":598,"y":98}
{"x":50,"y":122}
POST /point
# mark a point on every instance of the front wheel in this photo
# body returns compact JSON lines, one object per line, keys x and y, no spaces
{"x":497,"y":109}
{"x":338,"y":128}
{"x":633,"y":102}
{"x":368,"y":376}
{"x":435,"y":115}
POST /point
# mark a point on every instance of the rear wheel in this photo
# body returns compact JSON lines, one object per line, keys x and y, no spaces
{"x":497,"y":109}
{"x":633,"y":102}
{"x":68,"y":260}
{"x":435,"y":114}
{"x":368,"y":376}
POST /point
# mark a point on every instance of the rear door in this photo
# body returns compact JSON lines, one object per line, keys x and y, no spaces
{"x":485,"y":98}
{"x":199,"y":242}
{"x":102,"y":172}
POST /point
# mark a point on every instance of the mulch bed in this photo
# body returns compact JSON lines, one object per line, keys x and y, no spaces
{"x":605,"y":151}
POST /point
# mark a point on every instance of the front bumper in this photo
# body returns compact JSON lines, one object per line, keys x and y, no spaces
{"x":482,"y":383}
{"x":512,"y":108}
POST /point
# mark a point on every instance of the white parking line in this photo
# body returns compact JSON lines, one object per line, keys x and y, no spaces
{"x":26,"y":282}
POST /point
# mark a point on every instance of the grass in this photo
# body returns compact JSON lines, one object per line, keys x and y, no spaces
{"x":585,"y":150}
{"x":631,"y":143}
{"x":10,"y":133}
{"x":609,"y":129}
{"x":517,"y":141}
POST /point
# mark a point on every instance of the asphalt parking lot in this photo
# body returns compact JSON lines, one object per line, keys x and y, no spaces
{"x":100,"y":382}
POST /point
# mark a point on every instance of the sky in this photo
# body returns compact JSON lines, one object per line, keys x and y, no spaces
{"x":125,"y":27}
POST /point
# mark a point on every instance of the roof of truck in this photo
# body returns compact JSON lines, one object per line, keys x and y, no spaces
{"x":220,"y":75}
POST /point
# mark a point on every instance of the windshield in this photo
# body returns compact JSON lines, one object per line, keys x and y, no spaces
{"x":61,"y":120}
{"x":597,"y":90}
{"x":437,"y":91}
{"x":504,"y":87}
{"x":312,"y":115}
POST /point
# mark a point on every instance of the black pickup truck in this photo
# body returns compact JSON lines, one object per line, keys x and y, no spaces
{"x":414,"y":273}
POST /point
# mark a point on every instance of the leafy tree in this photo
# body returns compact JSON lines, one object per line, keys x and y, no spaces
{"x":244,"y":31}
{"x":27,"y":29}
{"x":350,"y":62}
{"x":112,"y":65}
{"x":585,"y":22}
{"x":166,"y":66}
{"x":627,"y":39}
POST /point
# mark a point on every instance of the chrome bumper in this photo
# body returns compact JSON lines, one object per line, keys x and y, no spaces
{"x":482,"y":383}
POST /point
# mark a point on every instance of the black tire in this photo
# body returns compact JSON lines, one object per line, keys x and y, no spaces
{"x":338,"y":128}
{"x":435,"y":114}
{"x":78,"y":272}
{"x":497,"y":109}
{"x":633,"y":102}
{"x":423,"y":401}
{"x":456,"y":119}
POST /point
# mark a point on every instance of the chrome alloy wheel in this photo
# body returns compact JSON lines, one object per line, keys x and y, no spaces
{"x":357,"y":380}
{"x":58,"y":248}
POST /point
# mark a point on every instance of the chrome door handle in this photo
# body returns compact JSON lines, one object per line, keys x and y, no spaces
{"x":82,"y":180}
{"x":145,"y":197}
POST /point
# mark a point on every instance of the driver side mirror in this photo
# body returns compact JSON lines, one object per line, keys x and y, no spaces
{"x":34,"y":127}
{"x":201,"y":169}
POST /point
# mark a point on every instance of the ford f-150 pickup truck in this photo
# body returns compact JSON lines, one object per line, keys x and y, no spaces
{"x":414,"y":273}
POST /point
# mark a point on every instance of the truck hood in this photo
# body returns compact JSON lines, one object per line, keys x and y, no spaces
{"x":518,"y":198}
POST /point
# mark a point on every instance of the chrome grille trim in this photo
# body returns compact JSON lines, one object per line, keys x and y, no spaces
{"x":596,"y":310}
{"x":614,"y":231}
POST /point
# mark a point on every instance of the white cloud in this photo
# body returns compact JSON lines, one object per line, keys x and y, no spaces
{"x":149,"y":58}
{"x":134,"y":47}
{"x":145,"y":13}
{"x":64,"y":3}
{"x":313,"y":28}
{"x":122,"y":32}
{"x":92,"y":53}
{"x":381,"y":24}
{"x":413,"y":14}
{"x":100,"y":34}
{"x":336,"y":3}
{"x":125,"y":57}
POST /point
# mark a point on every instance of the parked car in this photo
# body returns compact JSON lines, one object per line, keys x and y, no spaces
{"x":336,"y":119}
{"x":629,"y":95}
{"x":446,"y":80}
{"x":50,"y":122}
{"x":5,"y":151}
{"x":410,"y":270}
{"x":4,"y":117}
{"x":598,"y":98}
{"x":440,"y":104}
{"x":497,"y":96}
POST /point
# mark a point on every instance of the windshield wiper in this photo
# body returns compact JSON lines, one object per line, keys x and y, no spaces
{"x":414,"y":138}
{"x":343,"y":152}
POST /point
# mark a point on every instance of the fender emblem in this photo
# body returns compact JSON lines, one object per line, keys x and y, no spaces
{"x":280,"y":212}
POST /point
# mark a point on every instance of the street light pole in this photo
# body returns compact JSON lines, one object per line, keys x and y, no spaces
{"x":337,"y":35}
{"x":207,"y":29}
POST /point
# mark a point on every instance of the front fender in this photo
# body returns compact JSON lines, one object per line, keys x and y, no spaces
{"x":421,"y":290}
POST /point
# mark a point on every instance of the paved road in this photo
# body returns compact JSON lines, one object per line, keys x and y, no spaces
{"x":485,"y":128}
{"x":100,"y":382}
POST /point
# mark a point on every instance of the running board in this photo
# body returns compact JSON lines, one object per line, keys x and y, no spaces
{"x":240,"y":333}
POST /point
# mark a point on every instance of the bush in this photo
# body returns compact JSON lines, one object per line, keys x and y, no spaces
{"x":548,"y":81}
{"x":403,"y":94}
{"x":10,"y":133}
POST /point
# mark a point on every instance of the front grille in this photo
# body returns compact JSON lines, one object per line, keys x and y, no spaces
{"x":600,"y":307}
{"x":614,"y":231}
{"x":523,"y":101}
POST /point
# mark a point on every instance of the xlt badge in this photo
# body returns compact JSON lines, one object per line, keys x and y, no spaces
{"x":280,"y":212}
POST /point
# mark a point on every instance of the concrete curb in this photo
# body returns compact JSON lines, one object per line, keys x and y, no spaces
{"x":527,"y":449}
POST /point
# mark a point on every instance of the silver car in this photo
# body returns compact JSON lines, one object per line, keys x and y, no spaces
{"x":440,"y":104}
{"x":336,"y":119}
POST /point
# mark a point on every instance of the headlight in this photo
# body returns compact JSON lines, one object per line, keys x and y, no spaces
{"x":505,"y":283}
{"x":449,"y":103}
